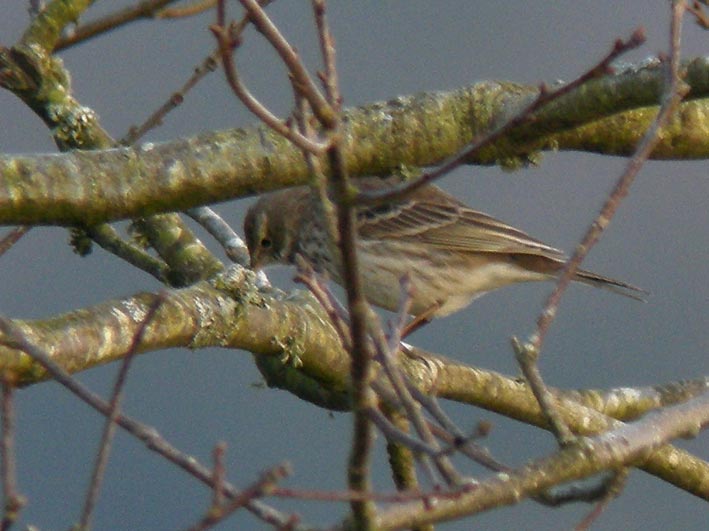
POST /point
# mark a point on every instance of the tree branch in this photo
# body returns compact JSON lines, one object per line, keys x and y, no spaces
{"x":410,"y":130}
{"x":629,"y":445}
{"x":303,"y":354}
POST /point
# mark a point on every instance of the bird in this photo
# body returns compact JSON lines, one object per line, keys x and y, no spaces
{"x":451,"y":253}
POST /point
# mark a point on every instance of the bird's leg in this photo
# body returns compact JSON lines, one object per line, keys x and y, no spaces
{"x":420,"y":320}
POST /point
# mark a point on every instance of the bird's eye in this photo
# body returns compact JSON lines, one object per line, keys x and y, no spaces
{"x":266,"y":243}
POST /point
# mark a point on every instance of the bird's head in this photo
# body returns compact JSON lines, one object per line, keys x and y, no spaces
{"x":271,"y":228}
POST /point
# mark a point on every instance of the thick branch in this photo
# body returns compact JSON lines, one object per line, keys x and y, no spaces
{"x":45,"y":30}
{"x":413,"y":130}
{"x":305,"y":352}
{"x":629,"y":444}
{"x":512,"y":398}
{"x":32,"y":73}
{"x":226,"y":312}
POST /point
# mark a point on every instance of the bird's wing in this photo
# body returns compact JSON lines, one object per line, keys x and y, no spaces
{"x":434,"y":218}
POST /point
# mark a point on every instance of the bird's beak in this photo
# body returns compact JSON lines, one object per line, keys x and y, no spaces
{"x":254,"y":262}
{"x":257,"y":260}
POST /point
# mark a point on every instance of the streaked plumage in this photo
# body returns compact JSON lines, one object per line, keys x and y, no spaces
{"x":452,"y":253}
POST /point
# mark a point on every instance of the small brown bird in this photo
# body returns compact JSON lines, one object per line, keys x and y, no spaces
{"x":451,"y":252}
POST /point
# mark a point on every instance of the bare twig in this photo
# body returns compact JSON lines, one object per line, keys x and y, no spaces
{"x":323,"y":109}
{"x":110,"y":240}
{"x":554,"y":497}
{"x":413,"y":411}
{"x":175,"y":100}
{"x":109,"y":428}
{"x":431,"y":405}
{"x":527,"y":357}
{"x":231,"y":242}
{"x":141,"y":10}
{"x":219,"y":474}
{"x":262,"y":487}
{"x":190,"y":10}
{"x":527,"y":354}
{"x":14,"y":338}
{"x":700,"y":17}
{"x":200,"y":72}
{"x":613,"y":487}
{"x":394,"y":434}
{"x":403,"y":389}
{"x":521,"y":118}
{"x":227,"y":44}
{"x":675,"y":89}
{"x":12,"y":237}
{"x":630,"y":444}
{"x":467,"y":446}
{"x":335,"y":312}
{"x":361,"y":368}
{"x":13,"y":501}
{"x":327,"y":50}
{"x":402,"y":461}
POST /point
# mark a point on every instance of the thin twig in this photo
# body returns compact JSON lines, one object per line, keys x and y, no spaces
{"x":262,"y":487}
{"x":231,"y":242}
{"x":134,"y":134}
{"x":14,"y":338}
{"x":630,"y":444}
{"x":190,"y":10}
{"x":675,"y":89}
{"x":227,"y":44}
{"x":431,"y":405}
{"x":109,"y":428}
{"x":13,"y":501}
{"x":468,"y":447}
{"x":575,"y":492}
{"x":394,"y":434}
{"x":527,"y":357}
{"x":110,"y":240}
{"x":528,"y":353}
{"x":207,"y":66}
{"x":219,"y":474}
{"x":613,"y":488}
{"x":700,"y":17}
{"x":323,"y":109}
{"x":399,"y":192}
{"x":319,"y":180}
{"x":423,"y":452}
{"x":403,"y":387}
{"x":327,"y":300}
{"x":327,"y":50}
{"x":12,"y":237}
{"x":452,"y":434}
{"x":361,"y":367}
{"x":141,"y":10}
{"x":402,"y":461}
{"x":413,"y":411}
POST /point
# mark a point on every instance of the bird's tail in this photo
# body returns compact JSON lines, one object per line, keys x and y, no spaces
{"x":543,"y":263}
{"x":611,"y":284}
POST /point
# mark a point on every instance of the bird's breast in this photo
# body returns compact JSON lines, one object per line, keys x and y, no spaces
{"x":451,"y":280}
